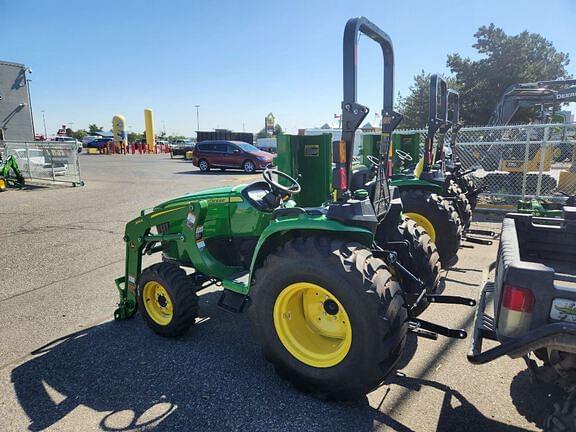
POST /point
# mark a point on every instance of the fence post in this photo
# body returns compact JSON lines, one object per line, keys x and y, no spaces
{"x":526,"y":158}
{"x":543,"y":149}
{"x":52,"y":165}
{"x":28,"y":160}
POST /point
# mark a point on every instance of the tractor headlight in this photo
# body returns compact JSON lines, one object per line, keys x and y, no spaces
{"x":190,"y":219}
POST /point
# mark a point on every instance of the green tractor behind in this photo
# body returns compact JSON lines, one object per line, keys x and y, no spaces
{"x":329,"y":305}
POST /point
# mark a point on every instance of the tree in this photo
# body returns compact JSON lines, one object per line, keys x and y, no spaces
{"x":525,"y":57}
{"x":93,"y":128}
{"x":79,"y":134}
{"x":414,"y":107}
{"x":263,"y":134}
{"x":135,"y":136}
{"x":506,"y":60}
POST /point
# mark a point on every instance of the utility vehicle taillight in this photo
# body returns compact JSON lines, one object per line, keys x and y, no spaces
{"x":516,"y":311}
{"x":518,"y":299}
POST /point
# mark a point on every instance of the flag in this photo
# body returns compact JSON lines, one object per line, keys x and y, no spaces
{"x":336,"y":116}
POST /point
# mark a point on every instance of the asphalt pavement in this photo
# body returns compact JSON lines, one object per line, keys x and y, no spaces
{"x":65,"y":365}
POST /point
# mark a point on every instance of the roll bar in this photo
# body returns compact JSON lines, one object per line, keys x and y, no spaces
{"x":437,"y":115}
{"x":354,"y":113}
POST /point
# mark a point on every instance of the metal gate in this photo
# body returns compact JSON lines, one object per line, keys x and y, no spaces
{"x":46,"y":161}
{"x":518,"y":161}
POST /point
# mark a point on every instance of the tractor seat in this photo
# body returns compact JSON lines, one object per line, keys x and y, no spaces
{"x":260,"y":196}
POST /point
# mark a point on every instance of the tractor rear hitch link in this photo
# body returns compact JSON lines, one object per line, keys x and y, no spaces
{"x":416,"y":325}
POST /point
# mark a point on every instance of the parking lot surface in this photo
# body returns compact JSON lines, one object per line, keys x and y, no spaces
{"x":65,"y":365}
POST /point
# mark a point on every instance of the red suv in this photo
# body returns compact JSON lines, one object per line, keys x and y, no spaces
{"x":229,"y":154}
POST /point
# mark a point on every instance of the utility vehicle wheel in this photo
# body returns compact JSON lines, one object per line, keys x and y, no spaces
{"x":166,"y":299}
{"x":203,"y":165}
{"x":329,"y":316}
{"x":439,"y":218}
{"x":563,"y":419}
{"x":425,"y":262}
{"x":461,"y":204}
{"x":248,"y":167}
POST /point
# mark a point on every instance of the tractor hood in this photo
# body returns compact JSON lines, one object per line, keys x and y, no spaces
{"x":221,"y":192}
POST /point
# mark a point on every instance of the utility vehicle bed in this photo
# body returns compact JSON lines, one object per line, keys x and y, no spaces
{"x":534,"y":289}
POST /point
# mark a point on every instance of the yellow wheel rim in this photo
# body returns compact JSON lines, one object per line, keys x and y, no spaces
{"x":312,"y":324}
{"x":424,"y":223}
{"x":157,"y":302}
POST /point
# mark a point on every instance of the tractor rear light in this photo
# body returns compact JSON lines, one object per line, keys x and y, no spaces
{"x":190,"y":219}
{"x":343,"y":180}
{"x":518,"y":299}
{"x":516,"y":311}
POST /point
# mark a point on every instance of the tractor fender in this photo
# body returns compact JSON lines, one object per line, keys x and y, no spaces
{"x":415,"y":183}
{"x":283,"y":229}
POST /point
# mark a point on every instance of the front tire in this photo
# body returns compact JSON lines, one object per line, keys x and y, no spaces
{"x":440,"y":220}
{"x":203,"y":165}
{"x":335,"y":323}
{"x":249,"y":167}
{"x":167,"y":300}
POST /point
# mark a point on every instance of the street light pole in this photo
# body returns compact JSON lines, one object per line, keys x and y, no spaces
{"x":44,"y":121}
{"x":197,"y":118}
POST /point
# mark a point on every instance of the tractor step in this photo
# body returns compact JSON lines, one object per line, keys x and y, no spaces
{"x":232,"y":301}
{"x":234,"y":297}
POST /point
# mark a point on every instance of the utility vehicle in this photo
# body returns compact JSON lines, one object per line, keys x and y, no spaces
{"x":329,"y":306}
{"x":534,"y":304}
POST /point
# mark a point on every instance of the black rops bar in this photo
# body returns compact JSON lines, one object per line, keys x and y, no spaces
{"x":437,"y":115}
{"x":352,"y":112}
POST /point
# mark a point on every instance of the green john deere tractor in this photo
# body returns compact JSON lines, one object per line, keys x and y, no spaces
{"x":329,"y":306}
{"x":10,"y":174}
{"x":422,"y":190}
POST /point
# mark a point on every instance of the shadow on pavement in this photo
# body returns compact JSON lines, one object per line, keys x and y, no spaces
{"x":214,"y":378}
{"x":534,"y":401}
{"x":456,"y":413}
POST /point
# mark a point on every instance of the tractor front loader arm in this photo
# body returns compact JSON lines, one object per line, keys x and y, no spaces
{"x":139,"y":241}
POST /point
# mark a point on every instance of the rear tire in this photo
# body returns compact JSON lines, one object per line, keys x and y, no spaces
{"x":563,"y":419}
{"x":461,"y":204}
{"x":425,"y":262}
{"x":178,"y":296}
{"x":368,"y":297}
{"x":442,"y":216}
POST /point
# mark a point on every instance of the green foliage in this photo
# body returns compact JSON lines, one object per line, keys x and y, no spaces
{"x":414,"y":107}
{"x":135,"y":136}
{"x":505,"y":60}
{"x":93,"y":128}
{"x":78,"y":134}
{"x":277,"y":131}
{"x":525,"y":57}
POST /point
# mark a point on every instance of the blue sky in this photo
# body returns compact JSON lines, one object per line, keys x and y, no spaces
{"x":239,"y":60}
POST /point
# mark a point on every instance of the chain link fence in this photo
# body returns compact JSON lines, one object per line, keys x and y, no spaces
{"x":519,"y":161}
{"x":45,"y":161}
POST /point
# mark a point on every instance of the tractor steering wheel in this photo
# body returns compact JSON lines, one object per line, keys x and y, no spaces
{"x":292,"y":189}
{"x":373,"y":160}
{"x":403,"y":156}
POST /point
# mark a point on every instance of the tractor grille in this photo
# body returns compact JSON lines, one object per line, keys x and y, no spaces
{"x":162,"y":228}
